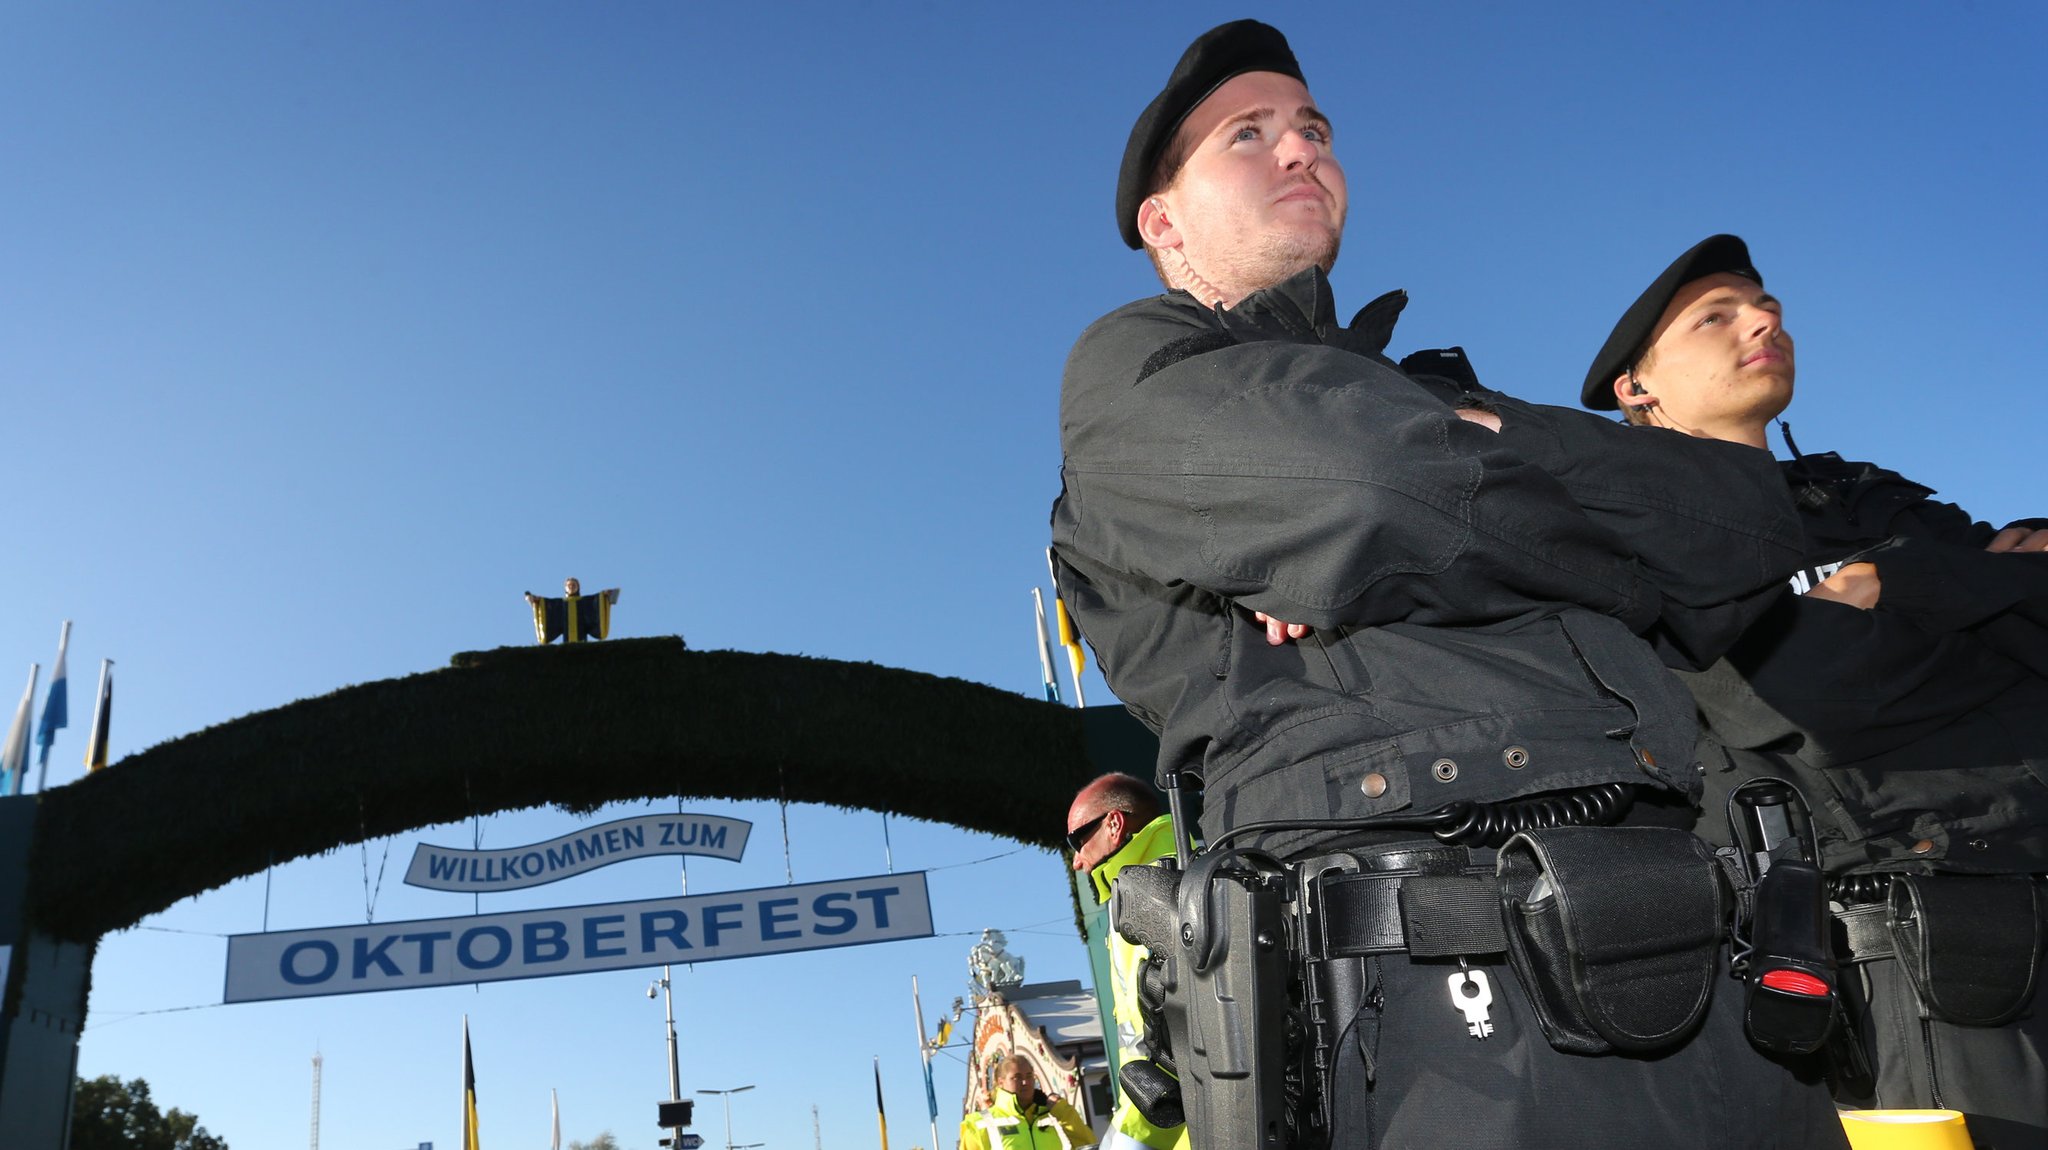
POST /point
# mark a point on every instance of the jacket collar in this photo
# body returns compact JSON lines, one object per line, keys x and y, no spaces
{"x":1154,"y":840}
{"x":1008,"y":1103}
{"x":1304,"y":305}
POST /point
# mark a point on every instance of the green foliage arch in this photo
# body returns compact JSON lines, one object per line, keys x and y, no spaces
{"x":574,"y":726}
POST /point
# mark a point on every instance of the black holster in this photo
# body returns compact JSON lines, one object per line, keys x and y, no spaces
{"x":1615,"y":933}
{"x":1219,"y":963}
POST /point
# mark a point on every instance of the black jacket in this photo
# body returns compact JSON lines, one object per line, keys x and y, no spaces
{"x":1917,"y":730}
{"x":1476,"y":597}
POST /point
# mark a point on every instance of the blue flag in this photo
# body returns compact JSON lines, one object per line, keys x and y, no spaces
{"x":57,"y":704}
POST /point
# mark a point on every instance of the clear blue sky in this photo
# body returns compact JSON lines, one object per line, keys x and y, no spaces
{"x":326,"y":329}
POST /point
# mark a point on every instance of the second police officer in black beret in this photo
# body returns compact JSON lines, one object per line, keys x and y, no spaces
{"x":1901,"y":684}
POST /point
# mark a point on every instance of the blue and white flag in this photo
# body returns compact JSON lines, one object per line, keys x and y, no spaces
{"x":56,"y":705}
{"x":1050,"y":681}
{"x":14,"y":753}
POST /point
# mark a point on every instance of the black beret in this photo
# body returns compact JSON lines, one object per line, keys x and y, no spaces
{"x":1220,"y":53}
{"x":1723,"y":253}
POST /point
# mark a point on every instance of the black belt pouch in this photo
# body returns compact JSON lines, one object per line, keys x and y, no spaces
{"x":1615,"y":933}
{"x":1971,"y":944}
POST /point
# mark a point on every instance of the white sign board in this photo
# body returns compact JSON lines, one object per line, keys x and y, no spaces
{"x":578,"y":939}
{"x":513,"y":868}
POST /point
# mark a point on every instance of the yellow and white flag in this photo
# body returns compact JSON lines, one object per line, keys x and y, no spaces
{"x":469,"y":1140}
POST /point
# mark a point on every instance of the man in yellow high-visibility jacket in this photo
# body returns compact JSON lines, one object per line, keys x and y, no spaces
{"x":1022,"y":1117}
{"x":1115,"y":822}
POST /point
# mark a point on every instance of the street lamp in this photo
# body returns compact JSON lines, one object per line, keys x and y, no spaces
{"x":726,"y":1097}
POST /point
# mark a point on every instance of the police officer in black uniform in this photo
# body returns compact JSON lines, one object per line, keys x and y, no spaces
{"x":1900,"y":685}
{"x":1487,"y":594}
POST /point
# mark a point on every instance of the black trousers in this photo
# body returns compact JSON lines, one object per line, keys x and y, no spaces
{"x":1408,"y":1075}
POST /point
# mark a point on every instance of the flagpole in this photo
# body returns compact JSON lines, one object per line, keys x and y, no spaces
{"x":931,"y":1100}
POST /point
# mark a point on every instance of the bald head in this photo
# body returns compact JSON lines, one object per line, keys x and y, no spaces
{"x":1105,"y":814}
{"x":1114,"y":792}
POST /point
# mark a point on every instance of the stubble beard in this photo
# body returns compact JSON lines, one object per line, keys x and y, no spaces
{"x":1270,"y":260}
{"x":1279,"y":256}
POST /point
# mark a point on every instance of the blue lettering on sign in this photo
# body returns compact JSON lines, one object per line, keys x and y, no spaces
{"x":426,"y":940}
{"x":553,"y":935}
{"x":526,"y":944}
{"x":677,"y":922}
{"x":379,"y":954}
{"x":448,"y":868}
{"x":833,"y":906}
{"x":715,"y":925}
{"x":594,"y":937}
{"x":465,"y":948}
{"x":288,"y":965}
{"x":879,"y":896}
{"x":770,"y":920}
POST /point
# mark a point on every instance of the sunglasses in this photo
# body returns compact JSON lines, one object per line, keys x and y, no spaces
{"x":1079,"y":836}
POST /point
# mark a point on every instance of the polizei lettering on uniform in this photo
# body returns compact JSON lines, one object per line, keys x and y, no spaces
{"x":573,"y":940}
{"x":511,"y":868}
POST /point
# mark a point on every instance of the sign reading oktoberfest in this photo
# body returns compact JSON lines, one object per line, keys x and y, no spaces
{"x":512,"y":868}
{"x":575,"y":940}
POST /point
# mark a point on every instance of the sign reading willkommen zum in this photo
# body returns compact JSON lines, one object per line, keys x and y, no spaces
{"x":574,"y":940}
{"x":512,"y":868}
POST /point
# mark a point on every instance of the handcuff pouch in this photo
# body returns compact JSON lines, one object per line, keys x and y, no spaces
{"x":1614,"y":932}
{"x":1970,"y":943}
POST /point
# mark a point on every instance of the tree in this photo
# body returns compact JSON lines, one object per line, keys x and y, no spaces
{"x":603,"y":1141}
{"x":108,"y":1114}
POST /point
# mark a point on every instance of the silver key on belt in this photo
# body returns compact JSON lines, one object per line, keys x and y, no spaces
{"x":1471,"y":993}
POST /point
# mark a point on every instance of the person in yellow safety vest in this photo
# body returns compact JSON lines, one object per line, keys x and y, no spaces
{"x":1022,"y":1117}
{"x":1115,"y":822}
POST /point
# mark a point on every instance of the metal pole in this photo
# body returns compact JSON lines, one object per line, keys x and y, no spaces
{"x":675,"y":1074}
{"x":924,"y":1048}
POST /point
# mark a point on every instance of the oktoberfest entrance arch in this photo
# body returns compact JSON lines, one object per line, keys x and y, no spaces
{"x":574,"y":727}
